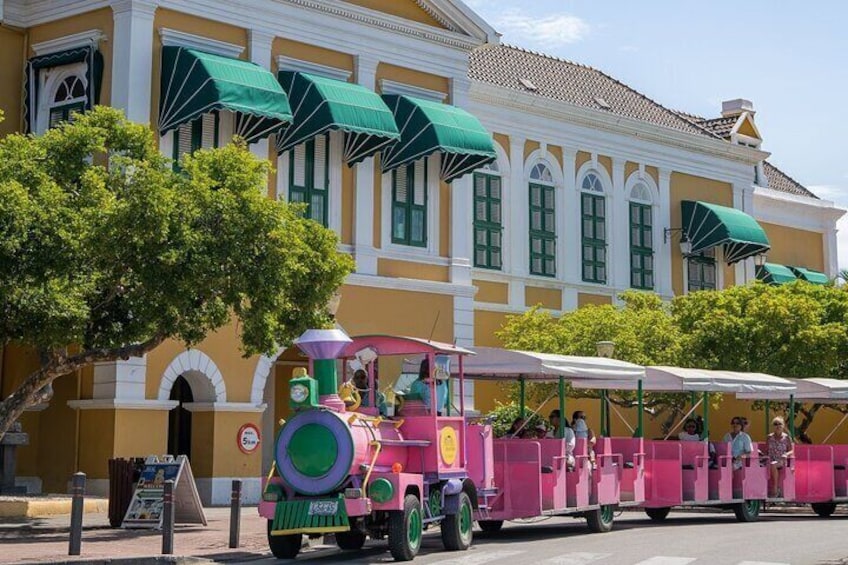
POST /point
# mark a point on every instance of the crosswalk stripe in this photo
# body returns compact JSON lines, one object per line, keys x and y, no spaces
{"x":761,"y":563}
{"x":478,"y":558}
{"x":577,"y":558}
{"x":665,"y":560}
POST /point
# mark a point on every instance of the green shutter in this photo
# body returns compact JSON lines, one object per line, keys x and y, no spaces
{"x":641,"y":246}
{"x":409,"y":204}
{"x":309,"y":178}
{"x":702,"y":271}
{"x":542,"y":230}
{"x":488,"y":226}
{"x":594,"y":237}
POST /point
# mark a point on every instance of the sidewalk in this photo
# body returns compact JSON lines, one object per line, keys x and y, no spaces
{"x":45,"y":540}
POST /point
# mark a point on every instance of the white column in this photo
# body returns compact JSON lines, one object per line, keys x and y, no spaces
{"x":461,"y":229}
{"x":363,"y":226}
{"x":260,"y":43}
{"x":743,"y":269}
{"x":831,"y":257}
{"x":662,"y":255}
{"x":618,"y":228}
{"x":132,"y":57}
{"x":568,"y":246}
{"x":519,"y":237}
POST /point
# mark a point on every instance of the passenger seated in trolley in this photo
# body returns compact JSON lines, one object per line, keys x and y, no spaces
{"x":780,"y":448}
{"x":421,"y":387}
{"x":690,"y":431}
{"x":517,"y":430}
{"x":568,"y":437}
{"x":740,"y":442}
{"x":360,"y":381}
{"x":583,"y":431}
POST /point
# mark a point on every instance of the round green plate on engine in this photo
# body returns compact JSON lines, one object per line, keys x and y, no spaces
{"x":313,"y":450}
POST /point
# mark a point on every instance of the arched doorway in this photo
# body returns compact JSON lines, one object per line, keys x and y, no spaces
{"x":179,"y":419}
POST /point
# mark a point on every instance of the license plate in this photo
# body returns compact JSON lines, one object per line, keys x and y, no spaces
{"x":323,"y":507}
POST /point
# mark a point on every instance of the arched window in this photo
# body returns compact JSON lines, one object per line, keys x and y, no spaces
{"x":594,"y":229}
{"x":488,"y":218}
{"x":641,"y":238}
{"x":67,"y":93}
{"x":542,"y":223}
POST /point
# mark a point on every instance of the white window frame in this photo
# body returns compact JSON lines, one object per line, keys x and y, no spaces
{"x":719,"y":259}
{"x":635,"y":179}
{"x":49,"y":81}
{"x":593,"y":167}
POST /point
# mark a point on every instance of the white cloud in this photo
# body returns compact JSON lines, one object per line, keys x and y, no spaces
{"x":555,"y":30}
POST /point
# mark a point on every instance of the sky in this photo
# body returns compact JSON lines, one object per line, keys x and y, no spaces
{"x":789,"y":58}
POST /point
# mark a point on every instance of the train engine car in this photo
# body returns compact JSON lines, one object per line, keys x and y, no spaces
{"x":356,"y":473}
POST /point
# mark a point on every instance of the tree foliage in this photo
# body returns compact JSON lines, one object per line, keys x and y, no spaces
{"x":106,"y":250}
{"x":794,"y":330}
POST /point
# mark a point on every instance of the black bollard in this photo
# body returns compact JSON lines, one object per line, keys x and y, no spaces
{"x":168,"y":518}
{"x":77,"y":502}
{"x":235,"y":513}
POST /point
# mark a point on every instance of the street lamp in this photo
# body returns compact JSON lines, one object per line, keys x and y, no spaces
{"x":605,"y":349}
{"x":760,"y":259}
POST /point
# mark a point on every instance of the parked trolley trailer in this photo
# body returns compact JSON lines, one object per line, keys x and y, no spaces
{"x":679,"y":473}
{"x":528,"y":478}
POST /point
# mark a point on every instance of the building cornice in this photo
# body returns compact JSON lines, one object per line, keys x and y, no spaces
{"x":795,"y":211}
{"x":82,"y":39}
{"x":114,"y":404}
{"x":601,"y":120}
{"x":411,"y":285}
{"x":285,"y":63}
{"x":176,"y":38}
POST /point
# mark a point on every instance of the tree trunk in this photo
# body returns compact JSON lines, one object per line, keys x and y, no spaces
{"x":28,"y":392}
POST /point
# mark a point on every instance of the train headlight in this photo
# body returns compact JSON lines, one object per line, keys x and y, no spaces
{"x":299,"y":393}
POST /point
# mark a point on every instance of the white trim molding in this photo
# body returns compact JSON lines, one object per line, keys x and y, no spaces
{"x":113,"y":404}
{"x":264,"y":367}
{"x":175,"y":38}
{"x":298,"y":65}
{"x":81,"y":39}
{"x":391,"y":87}
{"x":410,"y":285}
{"x":224,"y":407}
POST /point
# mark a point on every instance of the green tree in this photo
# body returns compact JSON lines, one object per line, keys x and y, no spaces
{"x":106,"y":251}
{"x":643,"y":331}
{"x":794,"y":330}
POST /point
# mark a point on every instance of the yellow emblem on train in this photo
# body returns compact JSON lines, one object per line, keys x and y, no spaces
{"x":448,"y":444}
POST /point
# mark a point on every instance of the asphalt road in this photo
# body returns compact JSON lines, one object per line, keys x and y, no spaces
{"x":683,"y":538}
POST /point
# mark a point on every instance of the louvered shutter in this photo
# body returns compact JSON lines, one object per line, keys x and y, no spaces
{"x":208,"y":131}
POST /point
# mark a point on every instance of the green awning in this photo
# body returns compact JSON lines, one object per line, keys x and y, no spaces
{"x":709,"y":225}
{"x":323,"y":104}
{"x":195,"y":83}
{"x":428,"y":127}
{"x":810,"y":275}
{"x":773,"y":273}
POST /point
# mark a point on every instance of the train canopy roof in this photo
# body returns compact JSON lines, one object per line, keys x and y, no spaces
{"x":400,"y":345}
{"x":492,"y":363}
{"x":678,"y":379}
{"x":816,"y":389}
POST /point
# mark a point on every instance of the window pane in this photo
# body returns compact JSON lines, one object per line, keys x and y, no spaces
{"x":417,"y":222}
{"x":586,"y":203}
{"x":535,"y":220}
{"x":635,"y":279}
{"x":480,"y":186}
{"x":587,"y":253}
{"x":496,"y":259}
{"x":549,"y":222}
{"x":480,"y":257}
{"x":536,"y":245}
{"x":399,"y":223}
{"x":549,"y":247}
{"x":634,"y":237}
{"x":495,"y":212}
{"x":495,"y":187}
{"x":480,"y":211}
{"x":317,"y":208}
{"x":648,"y":262}
{"x":496,"y":238}
{"x":601,"y":273}
{"x":587,"y":272}
{"x":549,"y":199}
{"x":480,"y":237}
{"x":600,"y":254}
{"x":648,"y":238}
{"x":589,"y":229}
{"x":646,"y":216}
{"x":536,"y":265}
{"x":601,"y":230}
{"x":550,"y":267}
{"x":535,"y":196}
{"x":634,"y":214}
{"x":600,"y":207}
{"x":649,"y":280}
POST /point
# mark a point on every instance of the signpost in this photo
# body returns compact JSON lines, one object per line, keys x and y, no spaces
{"x":248,"y":438}
{"x":146,"y":506}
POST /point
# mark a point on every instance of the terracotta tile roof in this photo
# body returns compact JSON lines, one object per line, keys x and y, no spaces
{"x":558,"y":79}
{"x":719,"y":126}
{"x":780,"y":181}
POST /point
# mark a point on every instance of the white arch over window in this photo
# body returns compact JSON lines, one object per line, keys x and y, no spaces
{"x":547,"y":162}
{"x":204,"y":377}
{"x":60,"y":86}
{"x":264,"y":366}
{"x":640,"y":187}
{"x":599,"y":172}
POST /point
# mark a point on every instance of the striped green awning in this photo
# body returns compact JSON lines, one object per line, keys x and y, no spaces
{"x":428,"y":127}
{"x":322,"y":104}
{"x":773,"y":273}
{"x":810,"y":275}
{"x":195,"y":83}
{"x":709,"y":225}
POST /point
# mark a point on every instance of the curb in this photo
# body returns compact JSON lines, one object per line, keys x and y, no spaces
{"x":154,"y":560}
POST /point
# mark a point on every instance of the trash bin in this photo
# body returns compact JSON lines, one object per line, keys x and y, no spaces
{"x":123,"y":476}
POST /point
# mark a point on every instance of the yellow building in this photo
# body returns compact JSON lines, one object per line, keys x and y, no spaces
{"x":585,"y":196}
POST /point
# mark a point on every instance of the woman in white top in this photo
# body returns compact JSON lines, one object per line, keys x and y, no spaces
{"x":568,"y":437}
{"x":690,"y":431}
